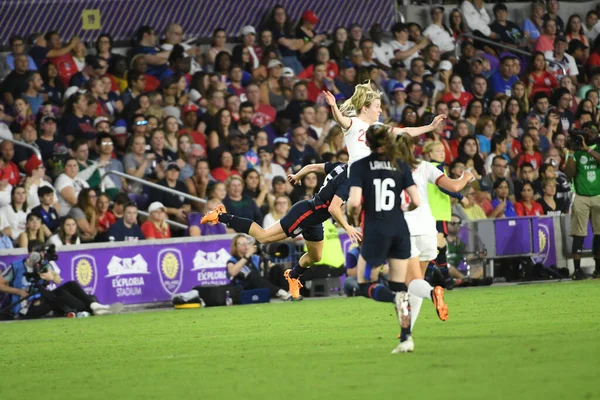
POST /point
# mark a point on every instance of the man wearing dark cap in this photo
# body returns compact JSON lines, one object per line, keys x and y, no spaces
{"x":560,"y":56}
{"x":266,"y":167}
{"x":177,"y":207}
{"x":345,"y":80}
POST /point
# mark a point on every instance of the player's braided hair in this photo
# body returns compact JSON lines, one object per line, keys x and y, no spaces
{"x":363,"y":96}
{"x":395,"y":147}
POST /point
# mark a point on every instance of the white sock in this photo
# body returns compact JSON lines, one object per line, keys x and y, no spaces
{"x":415,"y":308}
{"x":420,"y":288}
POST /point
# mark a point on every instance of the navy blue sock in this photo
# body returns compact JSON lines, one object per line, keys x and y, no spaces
{"x":238,"y":224}
{"x":377,"y":292}
{"x":398,"y":286}
{"x":297,"y":271}
{"x":442,"y":259}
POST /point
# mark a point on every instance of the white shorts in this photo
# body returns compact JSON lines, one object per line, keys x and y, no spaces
{"x":424,"y":247}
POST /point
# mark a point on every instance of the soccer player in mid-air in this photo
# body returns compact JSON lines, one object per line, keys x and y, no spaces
{"x":305,"y":217}
{"x":362,"y":110}
{"x":376,"y":184}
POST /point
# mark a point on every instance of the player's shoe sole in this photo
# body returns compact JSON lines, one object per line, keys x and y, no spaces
{"x":437,"y":296}
{"x":294,"y":285}
{"x":212,"y":217}
{"x":407,"y":346}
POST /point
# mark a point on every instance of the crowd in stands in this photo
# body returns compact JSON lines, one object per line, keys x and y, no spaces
{"x":227,"y":123}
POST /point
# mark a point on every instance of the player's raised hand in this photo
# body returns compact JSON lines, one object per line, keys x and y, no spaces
{"x":294,"y":179}
{"x":355,"y":236}
{"x":329,"y":98}
{"x":439,"y":119}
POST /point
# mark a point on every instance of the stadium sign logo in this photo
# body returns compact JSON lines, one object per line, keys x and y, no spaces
{"x":211,"y":267}
{"x":544,"y":234}
{"x":121,"y":269}
{"x":85,"y":272}
{"x":170,"y":269}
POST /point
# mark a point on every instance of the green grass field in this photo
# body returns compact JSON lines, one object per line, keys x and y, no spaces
{"x":518,"y":342}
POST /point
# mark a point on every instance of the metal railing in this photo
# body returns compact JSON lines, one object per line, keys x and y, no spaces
{"x":150,"y":184}
{"x":168,"y":221}
{"x":503,"y":46}
{"x":28,"y":146}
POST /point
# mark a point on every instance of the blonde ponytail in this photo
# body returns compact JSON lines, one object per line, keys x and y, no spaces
{"x":363,"y":96}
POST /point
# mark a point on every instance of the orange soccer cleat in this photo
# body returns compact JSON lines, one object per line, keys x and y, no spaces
{"x":212,"y":217}
{"x":294,"y":284}
{"x":437,"y":296}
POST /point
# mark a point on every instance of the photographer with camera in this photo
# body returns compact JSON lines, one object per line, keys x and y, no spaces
{"x":29,"y":282}
{"x":583,"y":165}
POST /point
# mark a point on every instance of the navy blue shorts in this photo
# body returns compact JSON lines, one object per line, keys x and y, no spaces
{"x":378,"y":247}
{"x":303,"y":218}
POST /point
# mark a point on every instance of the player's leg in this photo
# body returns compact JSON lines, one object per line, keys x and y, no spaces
{"x":441,"y":260}
{"x":372,"y":256}
{"x":426,"y":247}
{"x":313,"y":255}
{"x":580,"y":214}
{"x":595,"y":218}
{"x":272,"y":234}
{"x":397,"y":283}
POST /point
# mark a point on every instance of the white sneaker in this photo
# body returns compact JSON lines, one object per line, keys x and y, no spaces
{"x":97,"y":306}
{"x":405,"y":347}
{"x":283,"y":295}
{"x":402,"y":309}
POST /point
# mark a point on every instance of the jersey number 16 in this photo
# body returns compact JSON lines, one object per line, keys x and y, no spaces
{"x":384,"y":197}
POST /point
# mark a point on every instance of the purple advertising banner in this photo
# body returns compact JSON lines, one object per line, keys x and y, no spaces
{"x":144,"y":273}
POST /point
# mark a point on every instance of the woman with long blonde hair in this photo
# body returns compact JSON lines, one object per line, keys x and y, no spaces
{"x":359,"y":112}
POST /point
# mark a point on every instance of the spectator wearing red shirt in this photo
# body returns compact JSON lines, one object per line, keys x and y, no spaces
{"x":104,"y":218}
{"x":530,"y":153}
{"x":9,"y":171}
{"x":527,"y":207}
{"x":538,"y":77}
{"x":190,"y":125}
{"x":319,"y":83}
{"x":455,"y":91}
{"x":59,"y":56}
{"x":156,"y":226}
{"x":322,"y":58}
{"x":226,"y":169}
{"x":264,"y":114}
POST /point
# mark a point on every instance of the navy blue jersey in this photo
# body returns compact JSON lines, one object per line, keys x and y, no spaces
{"x":381,"y":184}
{"x":336,"y":183}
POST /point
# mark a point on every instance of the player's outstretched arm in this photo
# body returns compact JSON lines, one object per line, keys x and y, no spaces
{"x":335,"y":209}
{"x":296,"y":179}
{"x":353,"y":203}
{"x":455,"y":185}
{"x":341,"y":120}
{"x":417,"y":131}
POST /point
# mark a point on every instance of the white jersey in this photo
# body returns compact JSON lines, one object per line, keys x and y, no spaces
{"x":420,"y":220}
{"x":356,"y":141}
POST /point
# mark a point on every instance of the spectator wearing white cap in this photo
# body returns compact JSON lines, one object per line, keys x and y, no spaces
{"x":271,"y":92}
{"x":156,"y":226}
{"x":248,"y":35}
{"x":439,"y":33}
